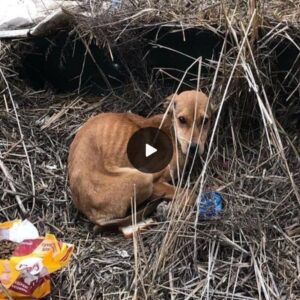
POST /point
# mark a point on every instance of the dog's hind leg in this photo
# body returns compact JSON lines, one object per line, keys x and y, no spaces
{"x":113,"y":198}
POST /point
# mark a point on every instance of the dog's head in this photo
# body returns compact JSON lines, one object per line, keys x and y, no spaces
{"x":191,"y":118}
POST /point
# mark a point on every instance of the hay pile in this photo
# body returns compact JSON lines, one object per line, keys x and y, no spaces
{"x":252,"y":250}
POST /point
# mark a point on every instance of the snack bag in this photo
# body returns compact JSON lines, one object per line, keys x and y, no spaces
{"x":25,"y":265}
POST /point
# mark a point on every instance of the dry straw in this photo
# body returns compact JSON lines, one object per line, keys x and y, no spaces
{"x":252,"y":250}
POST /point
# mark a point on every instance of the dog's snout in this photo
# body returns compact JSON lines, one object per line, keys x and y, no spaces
{"x":193,"y":148}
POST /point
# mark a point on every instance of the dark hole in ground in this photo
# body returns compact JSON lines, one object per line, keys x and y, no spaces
{"x":62,"y":63}
{"x":174,"y":51}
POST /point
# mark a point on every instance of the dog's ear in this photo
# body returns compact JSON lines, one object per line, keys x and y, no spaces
{"x":169,"y":99}
{"x":213,"y":108}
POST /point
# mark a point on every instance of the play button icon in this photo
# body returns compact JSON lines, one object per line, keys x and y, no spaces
{"x":149,"y":150}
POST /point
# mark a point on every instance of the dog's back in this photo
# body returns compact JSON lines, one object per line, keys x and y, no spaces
{"x":100,"y":173}
{"x":102,"y":180}
{"x":101,"y":139}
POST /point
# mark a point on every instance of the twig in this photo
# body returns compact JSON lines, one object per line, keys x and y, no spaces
{"x":21,"y":137}
{"x":10,"y":182}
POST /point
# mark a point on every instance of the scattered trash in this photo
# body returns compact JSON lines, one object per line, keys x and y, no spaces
{"x":210,"y":204}
{"x":26,"y":260}
{"x":18,"y":231}
{"x":27,"y":18}
{"x":51,"y":167}
{"x":115,"y":4}
{"x":123,"y":253}
{"x":18,"y":18}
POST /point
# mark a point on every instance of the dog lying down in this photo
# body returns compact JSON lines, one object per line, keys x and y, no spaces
{"x":102,"y":180}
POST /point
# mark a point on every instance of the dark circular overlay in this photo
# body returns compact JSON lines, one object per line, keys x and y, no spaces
{"x":153,"y":137}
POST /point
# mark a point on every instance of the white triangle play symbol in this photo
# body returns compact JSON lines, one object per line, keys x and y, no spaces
{"x":150,"y":150}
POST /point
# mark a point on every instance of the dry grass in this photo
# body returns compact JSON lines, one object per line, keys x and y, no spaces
{"x":252,"y":250}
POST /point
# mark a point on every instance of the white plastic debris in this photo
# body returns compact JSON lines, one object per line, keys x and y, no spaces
{"x":16,"y":13}
{"x":123,"y":253}
{"x":19,"y":17}
{"x":19,"y":232}
{"x":23,"y":18}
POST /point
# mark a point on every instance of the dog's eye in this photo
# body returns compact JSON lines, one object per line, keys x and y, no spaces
{"x":205,"y":121}
{"x":182,"y":120}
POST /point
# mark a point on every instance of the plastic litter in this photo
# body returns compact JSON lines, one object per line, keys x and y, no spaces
{"x":210,"y":204}
{"x":27,"y":260}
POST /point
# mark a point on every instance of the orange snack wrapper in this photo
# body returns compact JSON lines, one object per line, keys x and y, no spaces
{"x":26,"y":274}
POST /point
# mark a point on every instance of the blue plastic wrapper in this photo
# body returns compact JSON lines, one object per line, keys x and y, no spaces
{"x":116,"y":4}
{"x":210,"y":204}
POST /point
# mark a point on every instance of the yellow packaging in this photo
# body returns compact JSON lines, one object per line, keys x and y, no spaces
{"x":25,"y":275}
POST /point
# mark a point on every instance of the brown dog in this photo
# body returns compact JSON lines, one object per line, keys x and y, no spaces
{"x":103,"y":181}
